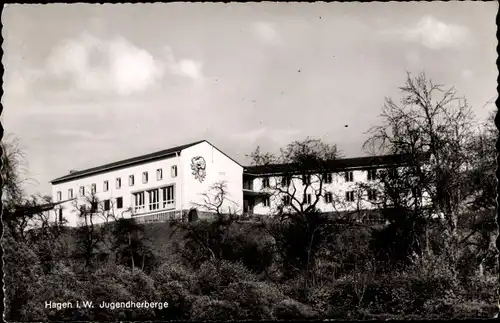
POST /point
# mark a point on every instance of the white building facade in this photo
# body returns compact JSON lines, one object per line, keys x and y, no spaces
{"x":154,"y":187}
{"x":344,"y":186}
{"x":176,"y":183}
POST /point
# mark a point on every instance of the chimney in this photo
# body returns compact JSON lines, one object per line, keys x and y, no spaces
{"x":72,"y":171}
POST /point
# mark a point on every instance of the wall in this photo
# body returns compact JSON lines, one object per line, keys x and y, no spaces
{"x":70,"y":212}
{"x":338,"y":187}
{"x":219,"y":168}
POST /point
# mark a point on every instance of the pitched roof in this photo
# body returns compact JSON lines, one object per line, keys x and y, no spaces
{"x":125,"y":162}
{"x":334,"y":165}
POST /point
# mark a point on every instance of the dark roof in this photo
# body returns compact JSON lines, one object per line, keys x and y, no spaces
{"x":125,"y":162}
{"x":334,"y":165}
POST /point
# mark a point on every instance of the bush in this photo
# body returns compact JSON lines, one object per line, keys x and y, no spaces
{"x":256,"y":299}
{"x":244,"y":243}
{"x":63,"y":285}
{"x":215,"y":275}
{"x":290,"y":309}
{"x":335,"y":301}
{"x":119,"y":284}
{"x":24,"y":282}
{"x":172,"y":272}
{"x":206,"y":308}
{"x":179,"y":299}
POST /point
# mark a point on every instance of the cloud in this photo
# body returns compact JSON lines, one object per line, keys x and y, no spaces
{"x":93,"y":64}
{"x":265,"y":31}
{"x":436,"y":34}
{"x":279,"y":135}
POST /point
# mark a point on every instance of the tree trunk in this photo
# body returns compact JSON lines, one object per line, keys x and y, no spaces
{"x":132,"y":261}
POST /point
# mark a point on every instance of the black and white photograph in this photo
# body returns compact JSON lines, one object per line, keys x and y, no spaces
{"x":242,"y":161}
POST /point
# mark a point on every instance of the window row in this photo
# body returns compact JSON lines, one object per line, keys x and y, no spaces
{"x":106,"y":205}
{"x":350,"y":196}
{"x":118,"y":183}
{"x":327,"y":178}
{"x":155,"y":199}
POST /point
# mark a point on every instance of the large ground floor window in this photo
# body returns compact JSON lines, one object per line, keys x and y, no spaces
{"x":155,"y":199}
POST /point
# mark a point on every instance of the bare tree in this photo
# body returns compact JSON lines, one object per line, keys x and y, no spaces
{"x":435,"y":123}
{"x":216,"y":201}
{"x":305,"y":162}
{"x":295,"y":182}
{"x":207,"y":235}
{"x":92,"y":233}
{"x":14,"y":171}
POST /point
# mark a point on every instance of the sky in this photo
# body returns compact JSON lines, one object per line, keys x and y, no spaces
{"x":89,"y":84}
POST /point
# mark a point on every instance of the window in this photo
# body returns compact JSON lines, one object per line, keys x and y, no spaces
{"x":139,"y":202}
{"x":285,"y":181}
{"x":287,"y":200}
{"x":327,"y":178}
{"x":118,"y":182}
{"x":267,"y":201}
{"x":159,"y":174}
{"x":93,"y":206}
{"x":372,"y":195}
{"x":349,"y":176}
{"x":307,"y":198}
{"x":119,"y":202}
{"x":328,"y":197}
{"x":70,"y":193}
{"x":306,"y":179}
{"x":106,"y":205}
{"x":59,"y":195}
{"x":82,"y":190}
{"x":168,"y":196}
{"x":154,"y":199}
{"x":372,"y":174}
{"x":105,"y":186}
{"x":131,"y":180}
{"x":60,"y":215}
{"x":173,"y":171}
{"x":265,"y":182}
{"x":144,"y":177}
{"x":93,"y":188}
{"x":349,"y":196}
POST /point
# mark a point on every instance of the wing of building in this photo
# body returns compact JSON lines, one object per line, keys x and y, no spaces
{"x":153,"y":187}
{"x":175,"y":182}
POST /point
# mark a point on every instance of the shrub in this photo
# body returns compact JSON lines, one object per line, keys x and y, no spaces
{"x":24,"y":281}
{"x":206,"y":308}
{"x":290,"y":309}
{"x":256,"y":299}
{"x":119,"y":284}
{"x":214,"y":275}
{"x":244,"y":243}
{"x":336,"y":300}
{"x":63,"y":285}
{"x":178,"y":298}
{"x":170,"y":272}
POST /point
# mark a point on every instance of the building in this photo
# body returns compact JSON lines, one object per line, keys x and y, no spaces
{"x":172,"y":183}
{"x":343,"y":186}
{"x":153,"y":187}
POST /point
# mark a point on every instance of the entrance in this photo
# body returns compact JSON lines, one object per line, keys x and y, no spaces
{"x":248,"y":205}
{"x":192,"y":215}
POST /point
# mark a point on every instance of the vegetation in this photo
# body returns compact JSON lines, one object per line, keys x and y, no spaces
{"x":297,"y":263}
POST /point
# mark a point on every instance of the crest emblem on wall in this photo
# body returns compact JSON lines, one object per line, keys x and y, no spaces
{"x":198,"y":166}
